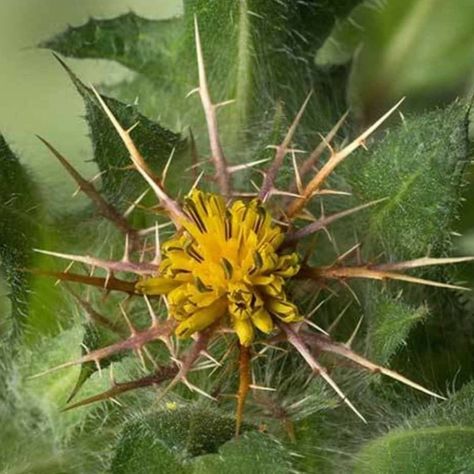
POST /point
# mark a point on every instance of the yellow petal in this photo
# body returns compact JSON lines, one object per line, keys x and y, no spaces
{"x":244,"y":330}
{"x":180,"y":294}
{"x":288,"y":265}
{"x":156,"y":286}
{"x":284,"y":310}
{"x":207,"y":212}
{"x":259,"y":280}
{"x":202,"y":318}
{"x":274,"y":287}
{"x":262,"y":320}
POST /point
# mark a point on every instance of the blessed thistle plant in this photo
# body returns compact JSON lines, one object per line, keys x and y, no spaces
{"x":228,"y":272}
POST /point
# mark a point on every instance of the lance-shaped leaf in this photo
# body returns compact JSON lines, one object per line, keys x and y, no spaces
{"x":143,"y":45}
{"x":418,"y":167}
{"x":19,"y":231}
{"x":121,"y":183}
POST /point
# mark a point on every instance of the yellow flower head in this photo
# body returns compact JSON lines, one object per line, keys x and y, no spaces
{"x":225,"y":264}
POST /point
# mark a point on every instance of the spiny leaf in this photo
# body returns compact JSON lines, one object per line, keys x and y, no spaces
{"x":457,"y":410}
{"x":34,"y":429}
{"x":120,"y":183}
{"x":418,"y":167}
{"x":424,"y":451}
{"x":257,"y":49}
{"x":36,"y":450}
{"x":19,"y":232}
{"x":145,"y":456}
{"x":145,"y":46}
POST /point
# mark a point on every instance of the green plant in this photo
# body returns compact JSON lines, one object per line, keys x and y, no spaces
{"x":403,"y":195}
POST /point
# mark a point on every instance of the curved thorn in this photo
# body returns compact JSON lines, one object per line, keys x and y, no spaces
{"x":326,"y":345}
{"x":295,"y":340}
{"x":218,"y":158}
{"x":317,"y":152}
{"x":118,"y":388}
{"x":325,"y":221}
{"x":111,"y":283}
{"x":171,"y":206}
{"x":371,"y":273}
{"x":422,"y":262}
{"x":110,"y":265}
{"x":106,"y":210}
{"x":135,"y":341}
{"x":281,"y":151}
{"x":295,"y":207}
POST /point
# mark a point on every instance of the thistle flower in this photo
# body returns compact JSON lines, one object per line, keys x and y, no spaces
{"x":227,"y":266}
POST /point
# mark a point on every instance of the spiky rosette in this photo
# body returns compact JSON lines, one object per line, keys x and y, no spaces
{"x":228,"y":265}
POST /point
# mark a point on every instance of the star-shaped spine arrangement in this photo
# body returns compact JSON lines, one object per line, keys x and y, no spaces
{"x":227,"y":267}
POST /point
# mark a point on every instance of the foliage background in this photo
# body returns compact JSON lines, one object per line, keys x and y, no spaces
{"x":422,"y":49}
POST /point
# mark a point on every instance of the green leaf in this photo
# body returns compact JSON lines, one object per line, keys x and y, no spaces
{"x":389,"y":323}
{"x":24,"y":225}
{"x":20,"y":212}
{"x":346,"y":35}
{"x":424,"y":451}
{"x":418,"y":167}
{"x":36,"y":450}
{"x":148,"y":455}
{"x":36,"y":436}
{"x":122,"y":185}
{"x":161,"y":441}
{"x":145,"y":46}
{"x":438,"y":440}
{"x":251,"y":453}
